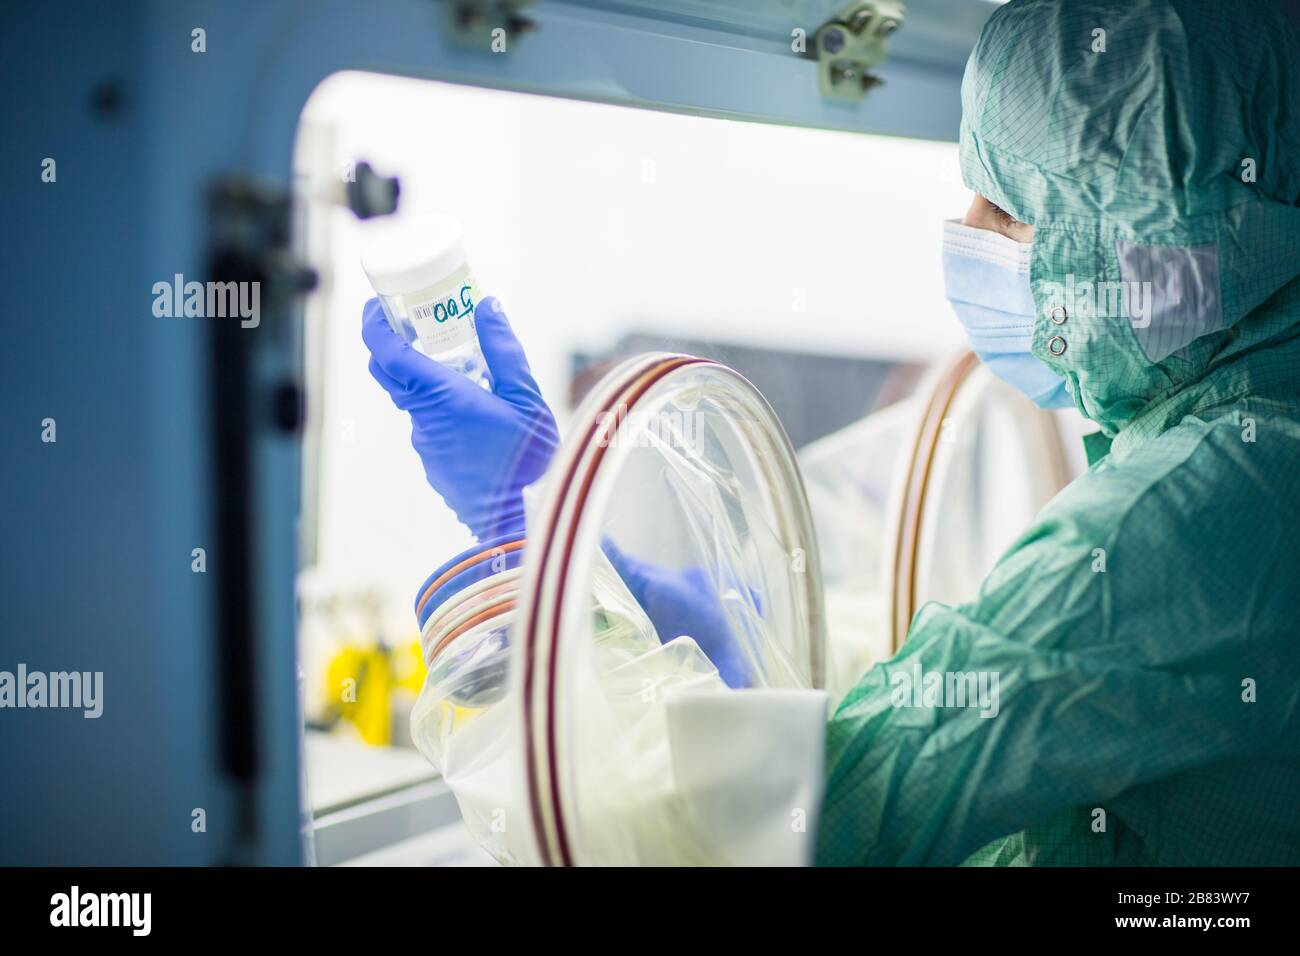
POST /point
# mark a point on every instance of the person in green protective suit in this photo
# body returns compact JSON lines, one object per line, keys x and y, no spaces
{"x":1145,"y":630}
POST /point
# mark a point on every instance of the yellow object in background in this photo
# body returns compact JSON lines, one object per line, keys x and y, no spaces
{"x":357,"y":686}
{"x":360,"y":686}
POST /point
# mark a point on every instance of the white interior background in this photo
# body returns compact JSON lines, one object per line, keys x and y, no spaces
{"x":590,"y":221}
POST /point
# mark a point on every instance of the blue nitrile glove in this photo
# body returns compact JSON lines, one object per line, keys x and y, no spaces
{"x":681,"y":602}
{"x":479,"y":448}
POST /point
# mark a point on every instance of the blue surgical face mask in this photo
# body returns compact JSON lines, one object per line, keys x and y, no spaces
{"x":986,"y":276}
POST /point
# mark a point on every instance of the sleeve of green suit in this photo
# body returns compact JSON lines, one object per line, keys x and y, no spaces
{"x":1105,"y":687}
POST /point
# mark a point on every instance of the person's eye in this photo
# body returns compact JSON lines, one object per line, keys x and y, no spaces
{"x":1004,"y":217}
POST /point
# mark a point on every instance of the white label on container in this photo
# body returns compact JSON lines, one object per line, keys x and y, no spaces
{"x":443,"y":314}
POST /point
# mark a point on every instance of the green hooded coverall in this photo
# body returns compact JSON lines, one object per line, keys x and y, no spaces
{"x":1149,"y":705}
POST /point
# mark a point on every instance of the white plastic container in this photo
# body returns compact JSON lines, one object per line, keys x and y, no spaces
{"x":418,"y":268}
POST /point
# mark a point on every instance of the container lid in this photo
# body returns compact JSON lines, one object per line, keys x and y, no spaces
{"x":406,"y":254}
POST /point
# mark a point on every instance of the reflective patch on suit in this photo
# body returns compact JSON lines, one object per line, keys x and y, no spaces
{"x":1171,"y":294}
